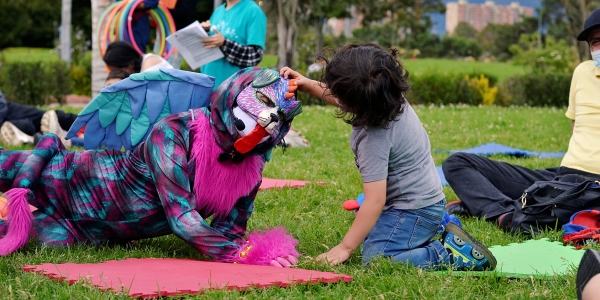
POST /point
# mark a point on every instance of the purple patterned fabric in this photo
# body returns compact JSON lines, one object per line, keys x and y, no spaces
{"x":170,"y":183}
{"x":111,"y":196}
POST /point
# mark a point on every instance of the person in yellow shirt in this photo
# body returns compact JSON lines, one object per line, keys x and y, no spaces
{"x":488,"y":188}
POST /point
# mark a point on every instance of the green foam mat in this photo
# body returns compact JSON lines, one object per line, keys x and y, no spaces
{"x":539,"y":259}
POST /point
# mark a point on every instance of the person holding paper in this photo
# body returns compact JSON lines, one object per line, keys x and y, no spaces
{"x":239,"y":29}
{"x":184,"y":14}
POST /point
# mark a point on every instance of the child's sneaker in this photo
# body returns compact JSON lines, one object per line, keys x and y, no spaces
{"x":50,"y":124}
{"x":10,"y":135}
{"x":466,"y":252}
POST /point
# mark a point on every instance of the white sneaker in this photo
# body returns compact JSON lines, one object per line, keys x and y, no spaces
{"x":49,"y":124}
{"x":295,"y":139}
{"x":10,"y":135}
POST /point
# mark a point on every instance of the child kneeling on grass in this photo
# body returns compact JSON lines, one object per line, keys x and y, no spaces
{"x":404,"y":202}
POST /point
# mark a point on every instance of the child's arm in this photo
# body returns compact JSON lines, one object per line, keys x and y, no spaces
{"x":370,"y":210}
{"x":307,"y":85}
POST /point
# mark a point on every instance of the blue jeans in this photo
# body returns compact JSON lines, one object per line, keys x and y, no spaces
{"x":406,"y":236}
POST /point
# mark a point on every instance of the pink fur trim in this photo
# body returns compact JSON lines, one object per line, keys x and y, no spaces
{"x":218,"y":185}
{"x":20,"y":220}
{"x":267,"y":246}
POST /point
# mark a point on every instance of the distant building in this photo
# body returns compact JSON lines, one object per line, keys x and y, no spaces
{"x":344,"y":26}
{"x":480,"y":15}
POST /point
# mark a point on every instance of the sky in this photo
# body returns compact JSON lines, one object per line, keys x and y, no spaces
{"x":439,"y":20}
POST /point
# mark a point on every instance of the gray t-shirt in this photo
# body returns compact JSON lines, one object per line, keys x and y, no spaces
{"x":402,"y":155}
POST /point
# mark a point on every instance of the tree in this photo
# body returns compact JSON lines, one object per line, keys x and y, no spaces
{"x":320,"y":10}
{"x":427,"y":44}
{"x":459,"y":47}
{"x":496,"y":39}
{"x":406,"y":17}
{"x":554,"y":19}
{"x":576,"y":12}
{"x":465,"y":30}
{"x":29,"y":23}
{"x":555,"y":57}
{"x":374,"y":33}
{"x":289,"y":15}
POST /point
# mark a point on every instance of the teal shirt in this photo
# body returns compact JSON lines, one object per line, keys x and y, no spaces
{"x":244,"y":23}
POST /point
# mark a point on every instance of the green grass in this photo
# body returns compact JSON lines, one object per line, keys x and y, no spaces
{"x":417,"y":66}
{"x":501,"y":70}
{"x":29,"y":54}
{"x":47,"y":54}
{"x":428,"y":65}
{"x":314,"y":215}
{"x":269,"y":61}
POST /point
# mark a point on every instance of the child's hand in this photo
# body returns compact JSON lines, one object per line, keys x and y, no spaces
{"x":301,"y":81}
{"x":336,"y":255}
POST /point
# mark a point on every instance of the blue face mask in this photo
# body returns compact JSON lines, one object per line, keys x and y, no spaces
{"x":596,"y":58}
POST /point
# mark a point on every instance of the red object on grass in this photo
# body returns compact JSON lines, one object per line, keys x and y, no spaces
{"x":154,"y":277}
{"x":270,"y":183}
{"x":351,"y":205}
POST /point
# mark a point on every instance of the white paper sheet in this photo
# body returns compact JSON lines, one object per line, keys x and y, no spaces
{"x":188,"y":41}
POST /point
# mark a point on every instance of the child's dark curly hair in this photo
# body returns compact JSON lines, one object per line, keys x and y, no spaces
{"x":368,"y":83}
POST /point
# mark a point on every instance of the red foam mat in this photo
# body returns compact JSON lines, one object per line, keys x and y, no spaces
{"x":154,"y":277}
{"x":270,"y":183}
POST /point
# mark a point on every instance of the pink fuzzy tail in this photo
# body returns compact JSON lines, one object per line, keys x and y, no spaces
{"x":20,"y":220}
{"x":265,"y":246}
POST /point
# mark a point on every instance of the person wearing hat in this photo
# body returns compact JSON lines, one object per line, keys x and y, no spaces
{"x":591,"y":34}
{"x":488,"y":188}
{"x":584,"y":103}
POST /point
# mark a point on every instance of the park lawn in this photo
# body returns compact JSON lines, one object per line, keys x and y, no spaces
{"x":22,"y":54}
{"x":269,"y":61}
{"x":417,"y":66}
{"x":314,"y":215}
{"x":428,"y":65}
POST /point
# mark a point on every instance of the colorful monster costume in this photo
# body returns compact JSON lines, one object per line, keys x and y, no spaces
{"x":186,"y":170}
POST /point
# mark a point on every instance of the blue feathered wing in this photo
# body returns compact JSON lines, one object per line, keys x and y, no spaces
{"x":123,"y":113}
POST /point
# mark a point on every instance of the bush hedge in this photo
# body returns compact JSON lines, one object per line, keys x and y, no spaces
{"x":480,"y":89}
{"x":41,"y":83}
{"x":452,"y":88}
{"x":535,"y":90}
{"x":35,"y":83}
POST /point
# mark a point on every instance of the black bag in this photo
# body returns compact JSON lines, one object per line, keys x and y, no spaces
{"x":550,"y":204}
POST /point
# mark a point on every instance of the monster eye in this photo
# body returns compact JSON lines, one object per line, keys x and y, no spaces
{"x":262,"y":97}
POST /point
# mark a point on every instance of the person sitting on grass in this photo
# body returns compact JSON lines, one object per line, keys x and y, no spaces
{"x":404,"y":202}
{"x":195,"y":175}
{"x":491,"y":189}
{"x":21,"y":124}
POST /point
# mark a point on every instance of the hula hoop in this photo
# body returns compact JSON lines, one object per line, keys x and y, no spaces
{"x":115,"y":24}
{"x":104,"y":25}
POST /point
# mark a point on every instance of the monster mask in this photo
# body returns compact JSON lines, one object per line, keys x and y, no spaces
{"x":262,"y":108}
{"x":253,"y":97}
